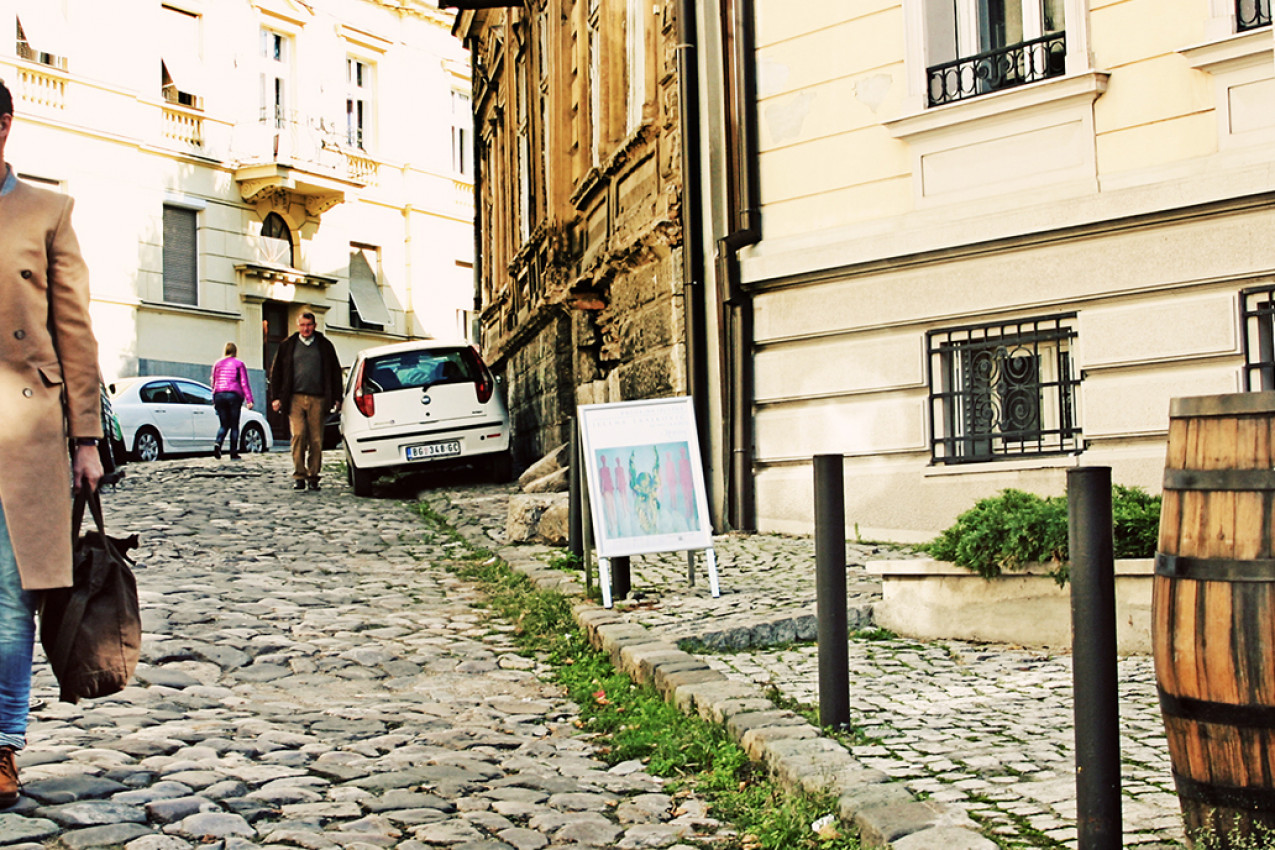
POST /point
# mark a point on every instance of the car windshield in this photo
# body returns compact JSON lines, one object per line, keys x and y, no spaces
{"x":414,"y":369}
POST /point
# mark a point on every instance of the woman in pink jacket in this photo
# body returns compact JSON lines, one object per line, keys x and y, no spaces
{"x":230,"y":393}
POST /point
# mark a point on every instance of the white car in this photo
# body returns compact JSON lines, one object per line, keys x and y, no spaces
{"x":418,"y":404}
{"x":162,"y":415}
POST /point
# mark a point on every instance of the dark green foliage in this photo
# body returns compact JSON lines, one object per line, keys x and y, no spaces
{"x":1006,"y":532}
{"x":1135,"y":515}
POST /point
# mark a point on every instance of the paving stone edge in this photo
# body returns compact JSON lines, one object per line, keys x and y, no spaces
{"x":795,"y":752}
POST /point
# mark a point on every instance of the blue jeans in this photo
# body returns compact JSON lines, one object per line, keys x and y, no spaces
{"x":228,"y":406}
{"x":17,"y":642}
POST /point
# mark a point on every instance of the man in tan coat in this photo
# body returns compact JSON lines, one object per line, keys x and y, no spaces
{"x":49,"y":395}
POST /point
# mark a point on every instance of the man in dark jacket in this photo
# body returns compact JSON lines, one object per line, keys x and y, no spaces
{"x":305,"y":380}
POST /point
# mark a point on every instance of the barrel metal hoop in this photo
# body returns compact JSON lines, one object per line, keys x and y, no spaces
{"x":1225,"y":796}
{"x":1219,"y":713}
{"x":1243,"y":480}
{"x":1214,"y":569}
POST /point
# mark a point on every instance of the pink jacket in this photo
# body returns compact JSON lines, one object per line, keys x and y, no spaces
{"x":229,"y":375}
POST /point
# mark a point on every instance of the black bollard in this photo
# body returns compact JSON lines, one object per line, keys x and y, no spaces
{"x":1093,"y":617}
{"x":830,"y":591}
{"x":621,"y":581}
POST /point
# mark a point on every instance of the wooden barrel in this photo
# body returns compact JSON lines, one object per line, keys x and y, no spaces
{"x":1213,"y":612}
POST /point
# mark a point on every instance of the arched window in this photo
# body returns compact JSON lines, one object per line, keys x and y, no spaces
{"x":277,"y":240}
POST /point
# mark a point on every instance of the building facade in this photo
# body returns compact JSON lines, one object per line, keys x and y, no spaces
{"x":256,"y":159}
{"x":579,"y":232}
{"x":993,"y":240}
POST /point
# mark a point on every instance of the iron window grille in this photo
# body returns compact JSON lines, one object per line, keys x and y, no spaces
{"x":1002,"y":68}
{"x":1257,"y":329}
{"x":1003,"y":391}
{"x":1251,"y":14}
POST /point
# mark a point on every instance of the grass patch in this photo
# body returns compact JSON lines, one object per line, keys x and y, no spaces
{"x":568,"y":562}
{"x":630,"y":721}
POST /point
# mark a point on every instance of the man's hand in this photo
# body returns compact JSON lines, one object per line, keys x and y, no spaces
{"x":248,"y":405}
{"x":86,"y":467}
{"x":275,"y":406}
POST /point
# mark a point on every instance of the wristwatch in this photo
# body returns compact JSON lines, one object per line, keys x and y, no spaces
{"x":87,"y":441}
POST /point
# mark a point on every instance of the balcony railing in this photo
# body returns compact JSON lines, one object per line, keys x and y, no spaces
{"x":1016,"y":65}
{"x":1251,"y":14}
{"x":308,"y":141}
{"x":183,"y":129}
{"x":47,"y":91}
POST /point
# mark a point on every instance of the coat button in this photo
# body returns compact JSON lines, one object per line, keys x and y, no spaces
{"x":26,"y":274}
{"x":27,"y":392}
{"x":19,"y":334}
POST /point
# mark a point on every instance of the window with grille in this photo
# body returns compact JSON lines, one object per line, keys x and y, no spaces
{"x":181,"y":256}
{"x":1257,"y":309}
{"x":1251,"y":14}
{"x":1003,"y":391}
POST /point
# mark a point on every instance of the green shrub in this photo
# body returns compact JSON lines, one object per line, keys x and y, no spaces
{"x":1006,"y":532}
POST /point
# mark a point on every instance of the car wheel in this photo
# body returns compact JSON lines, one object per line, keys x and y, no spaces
{"x":147,"y":445}
{"x":500,"y":467}
{"x":360,"y":479}
{"x":253,"y":440}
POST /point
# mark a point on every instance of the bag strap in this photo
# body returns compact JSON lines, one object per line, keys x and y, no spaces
{"x":93,"y":499}
{"x":78,"y":600}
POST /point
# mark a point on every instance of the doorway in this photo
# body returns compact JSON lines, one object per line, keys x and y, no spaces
{"x":274,"y":329}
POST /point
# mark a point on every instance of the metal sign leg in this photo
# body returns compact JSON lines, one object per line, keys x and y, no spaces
{"x":604,"y":580}
{"x":711,"y":556}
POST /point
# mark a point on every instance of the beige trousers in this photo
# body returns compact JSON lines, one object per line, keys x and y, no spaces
{"x":305,"y":419}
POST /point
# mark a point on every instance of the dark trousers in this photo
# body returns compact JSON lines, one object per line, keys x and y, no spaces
{"x":228,"y":405}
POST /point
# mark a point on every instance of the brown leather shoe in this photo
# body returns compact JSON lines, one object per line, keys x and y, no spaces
{"x":8,"y":777}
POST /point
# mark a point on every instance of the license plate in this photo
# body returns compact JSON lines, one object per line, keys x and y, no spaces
{"x":448,"y":448}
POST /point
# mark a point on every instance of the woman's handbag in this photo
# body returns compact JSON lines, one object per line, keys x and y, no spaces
{"x":92,"y":631}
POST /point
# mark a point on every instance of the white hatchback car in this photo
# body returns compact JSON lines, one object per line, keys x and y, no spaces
{"x":418,"y":404}
{"x":163,"y":415}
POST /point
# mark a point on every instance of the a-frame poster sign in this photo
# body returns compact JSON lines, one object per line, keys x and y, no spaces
{"x":646,"y":482}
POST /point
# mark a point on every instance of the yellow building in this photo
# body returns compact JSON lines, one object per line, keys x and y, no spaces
{"x":246,"y":160}
{"x":981,"y":241}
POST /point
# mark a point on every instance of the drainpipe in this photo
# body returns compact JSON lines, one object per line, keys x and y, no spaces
{"x":692,"y":219}
{"x":475,"y":329}
{"x":744,"y":209}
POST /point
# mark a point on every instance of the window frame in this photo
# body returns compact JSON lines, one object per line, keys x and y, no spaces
{"x":990,"y":402}
{"x":1257,"y":336}
{"x":920,"y":57}
{"x":276,"y":76}
{"x":462,"y":128}
{"x":360,"y":101}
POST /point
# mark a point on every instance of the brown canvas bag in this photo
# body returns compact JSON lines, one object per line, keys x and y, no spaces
{"x":92,"y":631}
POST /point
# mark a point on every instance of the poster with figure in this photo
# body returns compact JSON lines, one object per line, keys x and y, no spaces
{"x":646,"y":483}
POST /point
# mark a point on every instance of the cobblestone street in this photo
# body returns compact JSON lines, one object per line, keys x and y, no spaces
{"x":313,"y":677}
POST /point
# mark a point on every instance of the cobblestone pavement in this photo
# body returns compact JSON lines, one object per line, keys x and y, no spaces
{"x":989,"y":728}
{"x":314,"y":678}
{"x":986,"y":727}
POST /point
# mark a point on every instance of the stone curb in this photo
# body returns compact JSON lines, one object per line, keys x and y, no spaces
{"x":796,"y":753}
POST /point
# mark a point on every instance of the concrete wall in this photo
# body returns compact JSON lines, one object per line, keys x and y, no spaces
{"x":1131,"y":191}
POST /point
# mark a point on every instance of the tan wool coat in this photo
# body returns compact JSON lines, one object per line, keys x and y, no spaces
{"x":49,"y":378}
